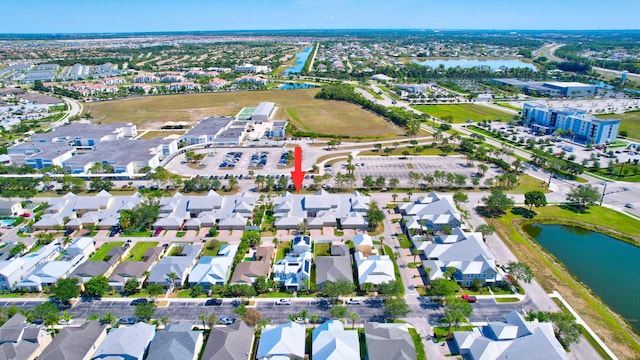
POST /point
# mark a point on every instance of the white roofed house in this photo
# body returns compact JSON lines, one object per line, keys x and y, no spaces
{"x":213,"y":270}
{"x":282,"y":342}
{"x":331,"y":341}
{"x":374,"y":269}
{"x":294,"y":271}
{"x":17,"y":269}
{"x":515,"y":338}
{"x":471,"y":258}
{"x":301,"y":243}
{"x":364,"y":244}
{"x":179,"y":264}
{"x":431,"y":212}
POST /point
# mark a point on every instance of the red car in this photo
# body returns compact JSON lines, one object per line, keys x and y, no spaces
{"x":469,"y":298}
{"x":25,"y":215}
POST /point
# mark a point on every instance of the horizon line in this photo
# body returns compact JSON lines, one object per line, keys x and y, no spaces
{"x":304,"y":29}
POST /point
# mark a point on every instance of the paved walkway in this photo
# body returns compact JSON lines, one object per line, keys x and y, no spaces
{"x":579,"y":321}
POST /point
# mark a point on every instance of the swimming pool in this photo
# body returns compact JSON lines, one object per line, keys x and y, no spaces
{"x":6,"y":222}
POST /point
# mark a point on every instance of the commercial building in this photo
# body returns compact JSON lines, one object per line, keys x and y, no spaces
{"x":263,"y":111}
{"x":550,"y":88}
{"x":578,"y":125}
{"x":207,"y":130}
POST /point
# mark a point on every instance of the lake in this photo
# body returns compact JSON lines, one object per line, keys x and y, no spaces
{"x":469,"y":63}
{"x":609,"y":267}
{"x":300,"y":61}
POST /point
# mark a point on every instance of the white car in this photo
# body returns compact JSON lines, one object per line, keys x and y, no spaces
{"x":283,"y":302}
{"x":354,"y":302}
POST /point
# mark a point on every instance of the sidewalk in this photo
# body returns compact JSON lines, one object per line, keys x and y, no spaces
{"x":579,"y":321}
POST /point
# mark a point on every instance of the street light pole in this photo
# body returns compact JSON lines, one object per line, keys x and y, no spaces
{"x":603,"y":192}
{"x":549,"y":182}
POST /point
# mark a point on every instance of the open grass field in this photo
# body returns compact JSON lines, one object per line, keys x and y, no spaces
{"x":628,"y":121}
{"x":528,"y":183}
{"x":553,"y":276}
{"x":102,"y":251}
{"x":462,"y":112}
{"x":298,"y":106}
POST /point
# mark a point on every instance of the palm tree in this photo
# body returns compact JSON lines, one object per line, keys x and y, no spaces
{"x":172,"y":276}
{"x":212,"y":319}
{"x":314,"y":319}
{"x":203,"y":317}
{"x":353,"y":316}
{"x":164,"y":321}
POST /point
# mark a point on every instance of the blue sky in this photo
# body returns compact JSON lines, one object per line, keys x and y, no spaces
{"x":60,"y":16}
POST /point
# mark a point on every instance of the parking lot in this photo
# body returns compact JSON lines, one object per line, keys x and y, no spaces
{"x":400,"y":167}
{"x":233,"y":161}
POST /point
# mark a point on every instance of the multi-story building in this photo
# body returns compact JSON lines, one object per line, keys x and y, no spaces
{"x":580,"y":126}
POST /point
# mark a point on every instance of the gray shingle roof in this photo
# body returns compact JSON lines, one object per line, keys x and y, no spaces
{"x":74,"y":343}
{"x":332,"y":268}
{"x":231,"y":342}
{"x":389,"y":342}
{"x":176,"y":342}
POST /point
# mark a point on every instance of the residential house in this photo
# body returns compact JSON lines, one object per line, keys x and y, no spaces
{"x":246,"y":272}
{"x":127,"y":342}
{"x":134,"y":269}
{"x":90,"y":269}
{"x":76,"y":343}
{"x":18,"y":268}
{"x":252,"y":79}
{"x":249,"y":68}
{"x":10,"y":208}
{"x":374,"y":269}
{"x":301,"y":243}
{"x":471,"y":258}
{"x":322,"y":209}
{"x":515,"y":338}
{"x":335,"y":267}
{"x":431,"y":212}
{"x":176,"y":342}
{"x":364,"y":244}
{"x":389,"y":341}
{"x":294,"y":271}
{"x":82,"y":246}
{"x":213,"y":270}
{"x":47,"y":275}
{"x":231,"y":342}
{"x":284,"y":341}
{"x":20,"y":339}
{"x":179,"y":265}
{"x":331,"y":341}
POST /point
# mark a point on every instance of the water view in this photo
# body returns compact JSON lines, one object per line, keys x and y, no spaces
{"x":290,"y":86}
{"x":469,"y":63}
{"x":302,"y":59}
{"x":606,"y":265}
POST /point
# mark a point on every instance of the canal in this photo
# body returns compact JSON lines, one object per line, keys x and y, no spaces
{"x":609,"y":267}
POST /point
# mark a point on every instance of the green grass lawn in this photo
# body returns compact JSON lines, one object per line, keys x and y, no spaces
{"x":440,"y":332}
{"x":283,"y":248}
{"x":417,"y":342}
{"x":462,"y":112}
{"x":507,"y":300}
{"x":276,"y":294}
{"x":212,"y":247}
{"x":528,"y":183}
{"x":623,"y":172}
{"x":405,"y":243}
{"x":396,"y":270}
{"x":138,"y":250}
{"x":102,"y":251}
{"x":323,"y":249}
{"x":629,"y":122}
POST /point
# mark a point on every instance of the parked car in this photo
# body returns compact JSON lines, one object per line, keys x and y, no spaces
{"x":65,"y":321}
{"x":213,"y":302}
{"x":26,"y":215}
{"x":139,"y":301}
{"x":226,"y":321}
{"x":469,"y":298}
{"x":157,"y":232}
{"x":354,"y":302}
{"x":127,"y":321}
{"x":283,"y":302}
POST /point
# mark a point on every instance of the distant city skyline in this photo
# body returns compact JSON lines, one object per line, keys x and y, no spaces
{"x":81,"y":16}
